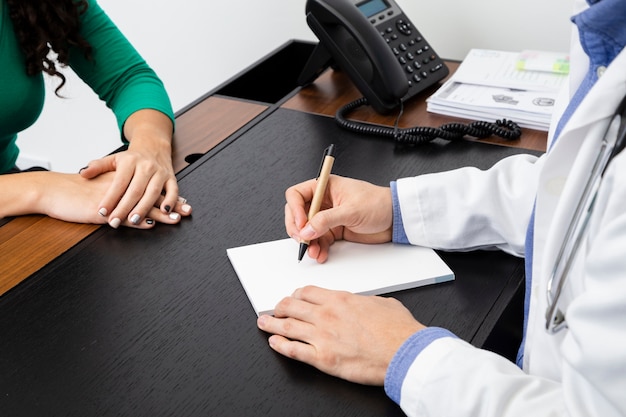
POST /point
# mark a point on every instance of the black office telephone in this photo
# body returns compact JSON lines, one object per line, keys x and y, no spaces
{"x":376,"y":45}
{"x":389,"y":61}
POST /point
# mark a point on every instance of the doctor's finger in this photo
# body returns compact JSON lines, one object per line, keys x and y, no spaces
{"x":298,"y":199}
{"x":290,"y":224}
{"x":303,"y":352}
{"x":288,"y":327}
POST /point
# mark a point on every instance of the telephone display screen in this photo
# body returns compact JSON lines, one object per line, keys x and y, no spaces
{"x":371,"y":7}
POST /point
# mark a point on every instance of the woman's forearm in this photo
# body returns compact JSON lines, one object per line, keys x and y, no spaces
{"x":150,"y":130}
{"x":23,"y":192}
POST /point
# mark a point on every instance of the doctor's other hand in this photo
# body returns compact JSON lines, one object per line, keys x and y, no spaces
{"x":349,"y":336}
{"x":352,"y":210}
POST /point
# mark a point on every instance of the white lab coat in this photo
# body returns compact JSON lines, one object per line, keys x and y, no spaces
{"x":580,"y":371}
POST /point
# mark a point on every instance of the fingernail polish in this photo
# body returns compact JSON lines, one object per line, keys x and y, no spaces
{"x":135,"y":219}
{"x":174,"y":216}
{"x":182,"y":200}
{"x":115,"y":223}
{"x":83,"y":168}
{"x":149,"y":221}
{"x":186,"y":208}
{"x":103,"y":212}
{"x":168,"y":208}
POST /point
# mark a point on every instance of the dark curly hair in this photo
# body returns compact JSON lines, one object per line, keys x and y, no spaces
{"x":42,"y":26}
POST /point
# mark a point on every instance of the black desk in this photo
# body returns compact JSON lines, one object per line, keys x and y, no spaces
{"x":156,"y":323}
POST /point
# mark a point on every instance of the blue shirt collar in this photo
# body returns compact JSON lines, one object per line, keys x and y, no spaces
{"x":602,"y":30}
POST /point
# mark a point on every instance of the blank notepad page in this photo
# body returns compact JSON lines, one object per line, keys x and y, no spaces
{"x":270,"y":271}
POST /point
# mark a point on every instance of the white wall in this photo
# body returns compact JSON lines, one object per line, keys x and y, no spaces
{"x":194,"y":45}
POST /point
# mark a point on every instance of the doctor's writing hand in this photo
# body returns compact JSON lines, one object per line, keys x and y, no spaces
{"x":350,"y":336}
{"x":351,"y":210}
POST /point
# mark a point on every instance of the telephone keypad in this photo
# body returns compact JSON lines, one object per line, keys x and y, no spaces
{"x":404,"y":27}
{"x":413,"y":53}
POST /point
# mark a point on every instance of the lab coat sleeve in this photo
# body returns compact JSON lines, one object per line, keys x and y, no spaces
{"x":469,"y":208}
{"x":450,"y":377}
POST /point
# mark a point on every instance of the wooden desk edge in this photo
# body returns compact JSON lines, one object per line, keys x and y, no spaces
{"x":28,"y":243}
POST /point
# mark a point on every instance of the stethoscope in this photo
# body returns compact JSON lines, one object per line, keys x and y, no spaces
{"x":555,"y":317}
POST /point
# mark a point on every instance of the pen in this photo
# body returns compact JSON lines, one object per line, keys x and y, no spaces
{"x":322,"y":181}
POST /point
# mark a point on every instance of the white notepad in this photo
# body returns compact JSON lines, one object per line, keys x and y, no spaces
{"x":270,"y":271}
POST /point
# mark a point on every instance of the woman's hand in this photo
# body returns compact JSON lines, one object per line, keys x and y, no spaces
{"x":144,"y":176}
{"x":73,"y":198}
{"x":352,"y":210}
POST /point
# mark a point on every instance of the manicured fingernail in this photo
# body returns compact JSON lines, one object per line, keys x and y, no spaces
{"x":103,"y":212}
{"x":115,"y":223}
{"x":135,"y":219}
{"x":168,"y":208}
{"x":149,"y":221}
{"x":174,"y":216}
{"x":83,"y":168}
{"x":186,"y":208}
{"x":182,"y":200}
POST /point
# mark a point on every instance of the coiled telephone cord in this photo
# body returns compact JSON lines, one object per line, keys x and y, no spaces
{"x":505,"y":129}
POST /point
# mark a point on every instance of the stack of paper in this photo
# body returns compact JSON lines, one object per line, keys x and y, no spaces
{"x":491,"y":85}
{"x":270,"y":271}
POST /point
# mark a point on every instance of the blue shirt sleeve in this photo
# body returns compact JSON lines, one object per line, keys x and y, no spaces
{"x":406,"y":355}
{"x":399,"y":235}
{"x":414,"y":345}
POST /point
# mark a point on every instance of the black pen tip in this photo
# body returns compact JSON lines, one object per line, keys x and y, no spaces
{"x":302,"y":251}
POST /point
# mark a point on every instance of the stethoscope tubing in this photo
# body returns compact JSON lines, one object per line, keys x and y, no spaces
{"x":555,"y":317}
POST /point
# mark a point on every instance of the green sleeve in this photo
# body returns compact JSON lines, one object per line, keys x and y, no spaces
{"x":116,"y":72}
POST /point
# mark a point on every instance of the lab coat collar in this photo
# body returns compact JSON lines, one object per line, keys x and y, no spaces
{"x":601,"y":101}
{"x":569,"y":158}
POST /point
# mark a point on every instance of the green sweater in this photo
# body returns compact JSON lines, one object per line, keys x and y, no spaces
{"x":116,"y":72}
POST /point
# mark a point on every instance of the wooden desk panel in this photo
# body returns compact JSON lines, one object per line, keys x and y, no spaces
{"x":334,"y":89}
{"x":28,"y":243}
{"x":208,"y":123}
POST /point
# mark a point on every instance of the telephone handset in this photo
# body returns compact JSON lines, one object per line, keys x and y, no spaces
{"x":376,"y":45}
